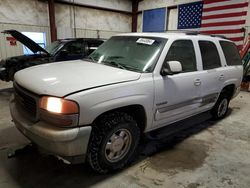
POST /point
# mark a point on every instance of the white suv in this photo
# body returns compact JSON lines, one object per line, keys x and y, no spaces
{"x":97,"y":109}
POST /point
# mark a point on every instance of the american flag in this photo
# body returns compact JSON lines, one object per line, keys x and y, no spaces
{"x":219,"y":17}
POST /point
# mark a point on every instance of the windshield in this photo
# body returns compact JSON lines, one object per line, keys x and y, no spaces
{"x":53,"y":47}
{"x":130,"y":52}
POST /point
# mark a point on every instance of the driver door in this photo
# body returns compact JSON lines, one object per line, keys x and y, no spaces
{"x":178,"y":96}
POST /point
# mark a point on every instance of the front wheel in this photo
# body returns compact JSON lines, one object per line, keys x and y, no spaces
{"x":113,"y":142}
{"x":220,"y":109}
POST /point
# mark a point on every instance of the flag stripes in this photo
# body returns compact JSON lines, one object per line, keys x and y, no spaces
{"x":225,"y":17}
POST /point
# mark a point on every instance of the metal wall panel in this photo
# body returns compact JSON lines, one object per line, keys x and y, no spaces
{"x":139,"y":22}
{"x":89,"y":20}
{"x":32,"y":15}
{"x":172,"y":19}
{"x":22,"y":15}
{"x":26,"y":12}
{"x":153,"y":4}
{"x":6,"y":50}
{"x":94,"y":33}
{"x":124,"y":5}
{"x":147,"y":5}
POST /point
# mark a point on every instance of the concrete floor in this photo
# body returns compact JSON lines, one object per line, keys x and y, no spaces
{"x":209,"y":154}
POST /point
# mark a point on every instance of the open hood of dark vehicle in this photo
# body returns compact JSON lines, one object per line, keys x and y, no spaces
{"x":34,"y":47}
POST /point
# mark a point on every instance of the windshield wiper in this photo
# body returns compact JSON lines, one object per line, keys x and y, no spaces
{"x":90,"y":58}
{"x":131,"y":68}
{"x":114,"y":63}
{"x":115,"y":57}
{"x":123,"y":66}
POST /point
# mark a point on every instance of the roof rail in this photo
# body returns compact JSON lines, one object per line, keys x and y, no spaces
{"x":183,"y":31}
{"x":221,"y":36}
{"x":188,"y":32}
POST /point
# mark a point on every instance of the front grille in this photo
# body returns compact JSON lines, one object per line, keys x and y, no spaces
{"x":26,"y":100}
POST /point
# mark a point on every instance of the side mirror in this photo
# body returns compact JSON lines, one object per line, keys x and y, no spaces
{"x":173,"y":68}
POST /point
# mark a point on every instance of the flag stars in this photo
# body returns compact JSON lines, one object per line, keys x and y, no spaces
{"x":190,"y":15}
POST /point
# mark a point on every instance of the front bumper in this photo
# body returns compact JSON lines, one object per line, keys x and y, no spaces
{"x":64,"y":142}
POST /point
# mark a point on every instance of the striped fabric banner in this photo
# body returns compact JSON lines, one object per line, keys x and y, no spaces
{"x":225,"y":17}
{"x":218,"y":17}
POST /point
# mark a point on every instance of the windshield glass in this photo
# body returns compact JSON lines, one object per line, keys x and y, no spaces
{"x":53,"y":47}
{"x":130,"y":52}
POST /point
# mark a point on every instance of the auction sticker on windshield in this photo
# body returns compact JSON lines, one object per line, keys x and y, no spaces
{"x":145,"y":41}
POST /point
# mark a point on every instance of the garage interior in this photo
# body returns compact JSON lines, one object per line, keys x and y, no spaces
{"x":205,"y":154}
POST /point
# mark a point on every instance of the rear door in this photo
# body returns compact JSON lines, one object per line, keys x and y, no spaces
{"x":212,"y":76}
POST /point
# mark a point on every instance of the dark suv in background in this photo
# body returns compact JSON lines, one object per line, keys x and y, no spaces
{"x":60,"y":50}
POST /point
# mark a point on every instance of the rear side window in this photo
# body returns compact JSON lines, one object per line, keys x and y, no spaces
{"x":231,"y":53}
{"x":182,"y":51}
{"x":209,"y":54}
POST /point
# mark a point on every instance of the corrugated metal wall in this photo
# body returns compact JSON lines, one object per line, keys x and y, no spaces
{"x":89,"y":22}
{"x":32,"y":15}
{"x":6,"y":50}
{"x":146,"y":5}
{"x":124,"y":5}
{"x":21,"y":15}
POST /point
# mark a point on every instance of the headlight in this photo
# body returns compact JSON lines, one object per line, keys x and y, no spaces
{"x":58,"y":111}
{"x":59,"y":105}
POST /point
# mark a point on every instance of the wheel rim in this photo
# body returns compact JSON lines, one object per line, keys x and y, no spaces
{"x":118,"y":145}
{"x":222,"y":107}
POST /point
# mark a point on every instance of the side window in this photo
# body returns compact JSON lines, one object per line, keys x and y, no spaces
{"x":74,"y":48}
{"x":231,"y":53}
{"x":209,"y":54}
{"x":93,"y":46}
{"x":182,"y":51}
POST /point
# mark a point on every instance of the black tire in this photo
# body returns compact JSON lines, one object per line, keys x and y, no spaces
{"x":220,"y":108}
{"x":102,"y":134}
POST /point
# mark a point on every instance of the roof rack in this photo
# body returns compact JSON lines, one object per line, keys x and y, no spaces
{"x":221,"y":36}
{"x":188,"y":32}
{"x":183,"y":31}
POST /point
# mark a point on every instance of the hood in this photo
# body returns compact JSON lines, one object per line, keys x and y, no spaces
{"x":63,"y":78}
{"x":34,"y":47}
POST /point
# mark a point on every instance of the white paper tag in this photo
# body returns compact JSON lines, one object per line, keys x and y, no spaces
{"x":145,"y":41}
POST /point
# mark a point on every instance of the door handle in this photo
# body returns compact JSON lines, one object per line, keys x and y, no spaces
{"x":221,"y":77}
{"x":197,"y":82}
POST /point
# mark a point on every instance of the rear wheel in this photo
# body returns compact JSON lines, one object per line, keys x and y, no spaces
{"x":113,"y":142}
{"x":220,"y":109}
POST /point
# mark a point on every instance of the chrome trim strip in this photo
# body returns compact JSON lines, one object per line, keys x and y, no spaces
{"x":204,"y":101}
{"x":162,"y":103}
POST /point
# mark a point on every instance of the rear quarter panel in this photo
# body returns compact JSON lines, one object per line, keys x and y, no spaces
{"x":233,"y":75}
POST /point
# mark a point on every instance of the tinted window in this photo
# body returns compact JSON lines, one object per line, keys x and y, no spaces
{"x":231,"y":53}
{"x":74,"y":48}
{"x":54,"y":47}
{"x":210,"y":55}
{"x":182,"y":51}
